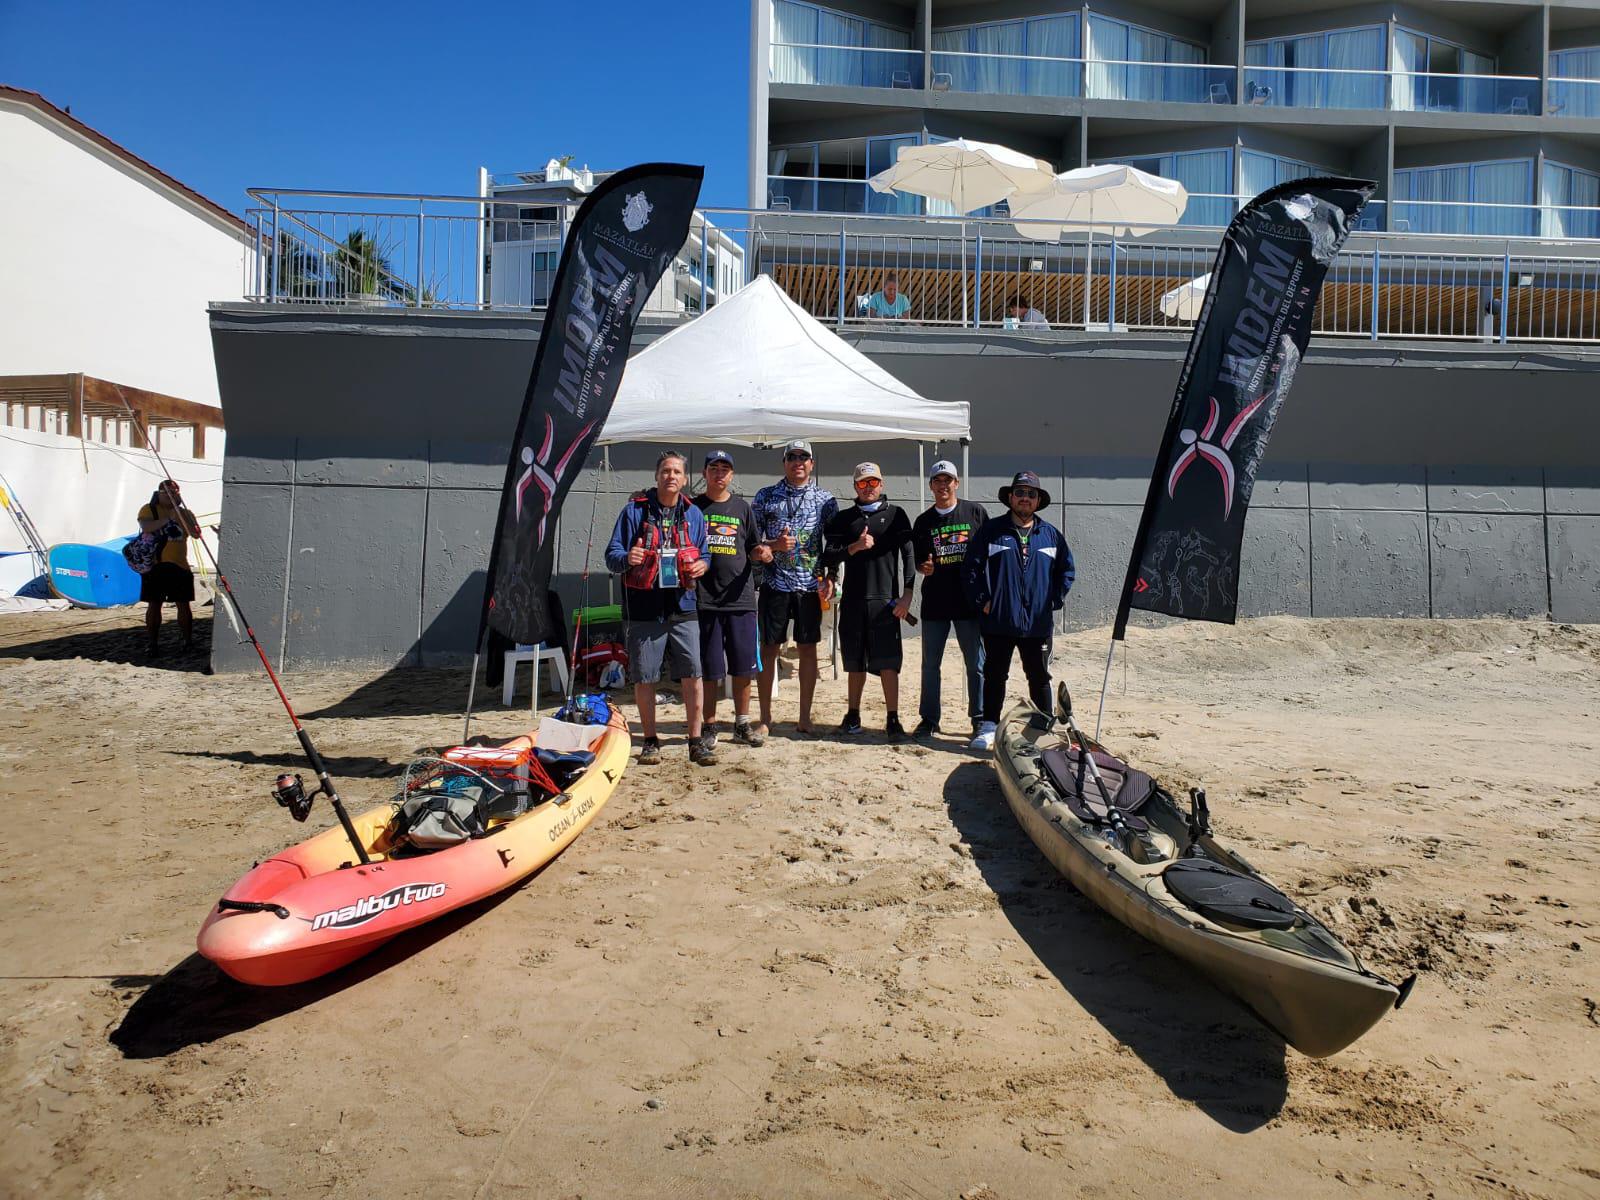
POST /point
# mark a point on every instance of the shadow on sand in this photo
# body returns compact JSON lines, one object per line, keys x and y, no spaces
{"x":195,"y":1003}
{"x":1208,"y":1049}
{"x":342,"y":766}
{"x":412,"y":692}
{"x":121,"y":641}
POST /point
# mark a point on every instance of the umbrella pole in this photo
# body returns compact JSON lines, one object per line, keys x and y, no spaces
{"x":1088,"y":264}
{"x":963,"y":274}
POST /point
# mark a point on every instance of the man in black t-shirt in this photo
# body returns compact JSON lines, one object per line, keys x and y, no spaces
{"x":729,"y":637}
{"x":940,"y":538}
{"x":873,"y":540}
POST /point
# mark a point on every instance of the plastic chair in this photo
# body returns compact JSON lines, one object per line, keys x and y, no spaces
{"x":1517,"y":108}
{"x":1218,"y":94}
{"x":942,"y":81}
{"x":552,"y":656}
{"x":900,"y":79}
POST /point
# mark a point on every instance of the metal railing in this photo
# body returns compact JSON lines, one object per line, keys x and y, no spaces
{"x":957,"y":272}
{"x":1178,"y":82}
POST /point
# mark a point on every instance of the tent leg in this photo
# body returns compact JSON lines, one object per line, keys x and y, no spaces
{"x":964,"y":460}
{"x":922,"y":472}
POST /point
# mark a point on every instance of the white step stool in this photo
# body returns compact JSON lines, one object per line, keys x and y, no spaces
{"x":551,"y":656}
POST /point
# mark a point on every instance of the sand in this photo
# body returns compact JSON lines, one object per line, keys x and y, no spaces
{"x":817,"y":970}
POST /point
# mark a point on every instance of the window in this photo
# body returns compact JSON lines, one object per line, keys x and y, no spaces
{"x":1429,"y":74}
{"x":1207,"y":175}
{"x":1258,"y":171}
{"x":1454,"y":198}
{"x":1342,"y":68}
{"x":1003,"y":56}
{"x":812,"y":44}
{"x":1571,"y":197}
{"x":1573,"y":90}
{"x":1117,"y":44}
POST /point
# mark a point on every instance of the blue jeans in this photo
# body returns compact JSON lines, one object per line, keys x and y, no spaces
{"x":934,"y":636}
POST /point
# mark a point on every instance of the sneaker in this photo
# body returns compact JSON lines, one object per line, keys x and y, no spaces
{"x":747,"y":733}
{"x":703,"y":751}
{"x":708,"y":733}
{"x":650,"y":752}
{"x":925,"y":729}
{"x":851,"y":723}
{"x":895,"y":731}
{"x":984,"y":738}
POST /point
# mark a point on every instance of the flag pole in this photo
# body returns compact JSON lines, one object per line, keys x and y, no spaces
{"x":1111,"y":651}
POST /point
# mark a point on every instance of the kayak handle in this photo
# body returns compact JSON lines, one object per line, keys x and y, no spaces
{"x":276,"y":910}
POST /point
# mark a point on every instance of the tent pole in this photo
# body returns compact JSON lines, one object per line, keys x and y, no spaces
{"x":965,"y":442}
{"x":922,"y":473}
{"x":963,"y":274}
{"x":1088,"y":263}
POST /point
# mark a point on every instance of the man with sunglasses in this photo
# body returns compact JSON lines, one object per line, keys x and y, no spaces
{"x":1017,"y":573}
{"x":790,"y":516}
{"x":872,"y":539}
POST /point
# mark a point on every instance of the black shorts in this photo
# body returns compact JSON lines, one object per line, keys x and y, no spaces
{"x":869,"y":637}
{"x":776,"y":609}
{"x":728,"y":645}
{"x":166,"y":582}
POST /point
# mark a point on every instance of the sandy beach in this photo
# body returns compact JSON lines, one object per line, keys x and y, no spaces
{"x":819,"y":969}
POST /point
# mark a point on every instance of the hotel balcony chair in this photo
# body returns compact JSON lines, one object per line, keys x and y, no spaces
{"x":1517,"y":108}
{"x":1257,"y":93}
{"x":900,"y":79}
{"x":942,"y":80}
{"x":778,"y":203}
{"x":1218,"y":94}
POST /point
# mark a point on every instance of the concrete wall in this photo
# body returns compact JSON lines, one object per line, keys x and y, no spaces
{"x":78,"y":224}
{"x":366,"y":454}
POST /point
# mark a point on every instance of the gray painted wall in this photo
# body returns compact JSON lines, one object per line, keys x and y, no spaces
{"x":366,"y":453}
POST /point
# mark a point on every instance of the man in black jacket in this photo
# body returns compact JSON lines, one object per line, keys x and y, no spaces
{"x":942,"y":534}
{"x":873,"y":540}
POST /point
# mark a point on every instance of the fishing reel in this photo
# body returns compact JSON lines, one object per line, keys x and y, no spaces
{"x":290,"y":792}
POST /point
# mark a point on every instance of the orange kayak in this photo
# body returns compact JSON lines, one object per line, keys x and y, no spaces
{"x":326,"y":910}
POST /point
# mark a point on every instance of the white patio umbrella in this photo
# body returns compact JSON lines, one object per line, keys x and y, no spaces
{"x":1124,"y":198}
{"x":1184,"y":302}
{"x":967,"y":175}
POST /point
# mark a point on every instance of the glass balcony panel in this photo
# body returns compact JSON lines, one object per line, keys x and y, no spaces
{"x":1573,"y":98}
{"x":845,"y":66}
{"x":1451,"y":217}
{"x":1298,"y":87}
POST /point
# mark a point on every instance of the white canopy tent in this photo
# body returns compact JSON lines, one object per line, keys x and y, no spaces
{"x":758,"y":370}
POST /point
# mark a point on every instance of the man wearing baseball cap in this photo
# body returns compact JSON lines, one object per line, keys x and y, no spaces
{"x":1018,"y":571}
{"x":940,"y":537}
{"x":872,"y":538}
{"x":789,"y":516}
{"x":729,"y":635}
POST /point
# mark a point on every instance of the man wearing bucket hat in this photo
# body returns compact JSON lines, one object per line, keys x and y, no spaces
{"x":1018,"y":571}
{"x":872,"y":539}
{"x":941,"y":536}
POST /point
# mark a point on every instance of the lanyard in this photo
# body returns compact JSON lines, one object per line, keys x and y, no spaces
{"x":1023,"y":537}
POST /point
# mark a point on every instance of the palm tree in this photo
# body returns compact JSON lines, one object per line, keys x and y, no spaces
{"x":295,"y":272}
{"x":361,"y":268}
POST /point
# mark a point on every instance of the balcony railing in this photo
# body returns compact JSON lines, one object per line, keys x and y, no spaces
{"x":1573,"y":97}
{"x":1184,"y":83}
{"x":845,"y":66}
{"x":436,"y":252}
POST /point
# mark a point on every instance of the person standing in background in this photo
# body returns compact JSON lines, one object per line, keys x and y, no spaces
{"x":790,"y":516}
{"x":171,"y":578}
{"x":940,"y":538}
{"x":730,"y":635}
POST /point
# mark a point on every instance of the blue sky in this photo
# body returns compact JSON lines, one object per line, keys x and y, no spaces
{"x":401,"y":96}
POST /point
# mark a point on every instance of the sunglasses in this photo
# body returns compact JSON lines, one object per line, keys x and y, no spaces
{"x":1024,"y":493}
{"x":797,"y":458}
{"x":872,"y":481}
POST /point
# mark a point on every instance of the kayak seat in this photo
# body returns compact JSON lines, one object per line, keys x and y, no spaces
{"x":1226,"y":895}
{"x":1130,"y":789}
{"x":565,"y":767}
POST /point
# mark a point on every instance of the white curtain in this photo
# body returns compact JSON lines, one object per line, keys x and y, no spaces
{"x":1257,"y":172}
{"x":1108,"y":41}
{"x":1355,"y":50}
{"x":1479,"y":96}
{"x":1445,"y":193}
{"x":1503,"y":183}
{"x":1002,"y":76}
{"x":793,"y":23}
{"x":841,"y":67}
{"x":1208,"y":177}
{"x":879,"y":69}
{"x":1262,"y":84}
{"x":1185,"y":83}
{"x":1144,"y":83}
{"x":1410,"y":56}
{"x":955,"y":63}
{"x":1575,"y":99}
{"x":1053,"y":37}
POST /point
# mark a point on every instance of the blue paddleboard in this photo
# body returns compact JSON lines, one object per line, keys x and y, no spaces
{"x":93,"y":576}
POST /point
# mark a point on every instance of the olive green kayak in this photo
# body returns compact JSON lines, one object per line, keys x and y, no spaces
{"x":1160,"y":872}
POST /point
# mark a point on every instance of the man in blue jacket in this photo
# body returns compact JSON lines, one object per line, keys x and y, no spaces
{"x":658,"y":546}
{"x":1017,"y":572}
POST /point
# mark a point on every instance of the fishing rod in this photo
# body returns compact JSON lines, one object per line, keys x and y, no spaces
{"x":288,"y":790}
